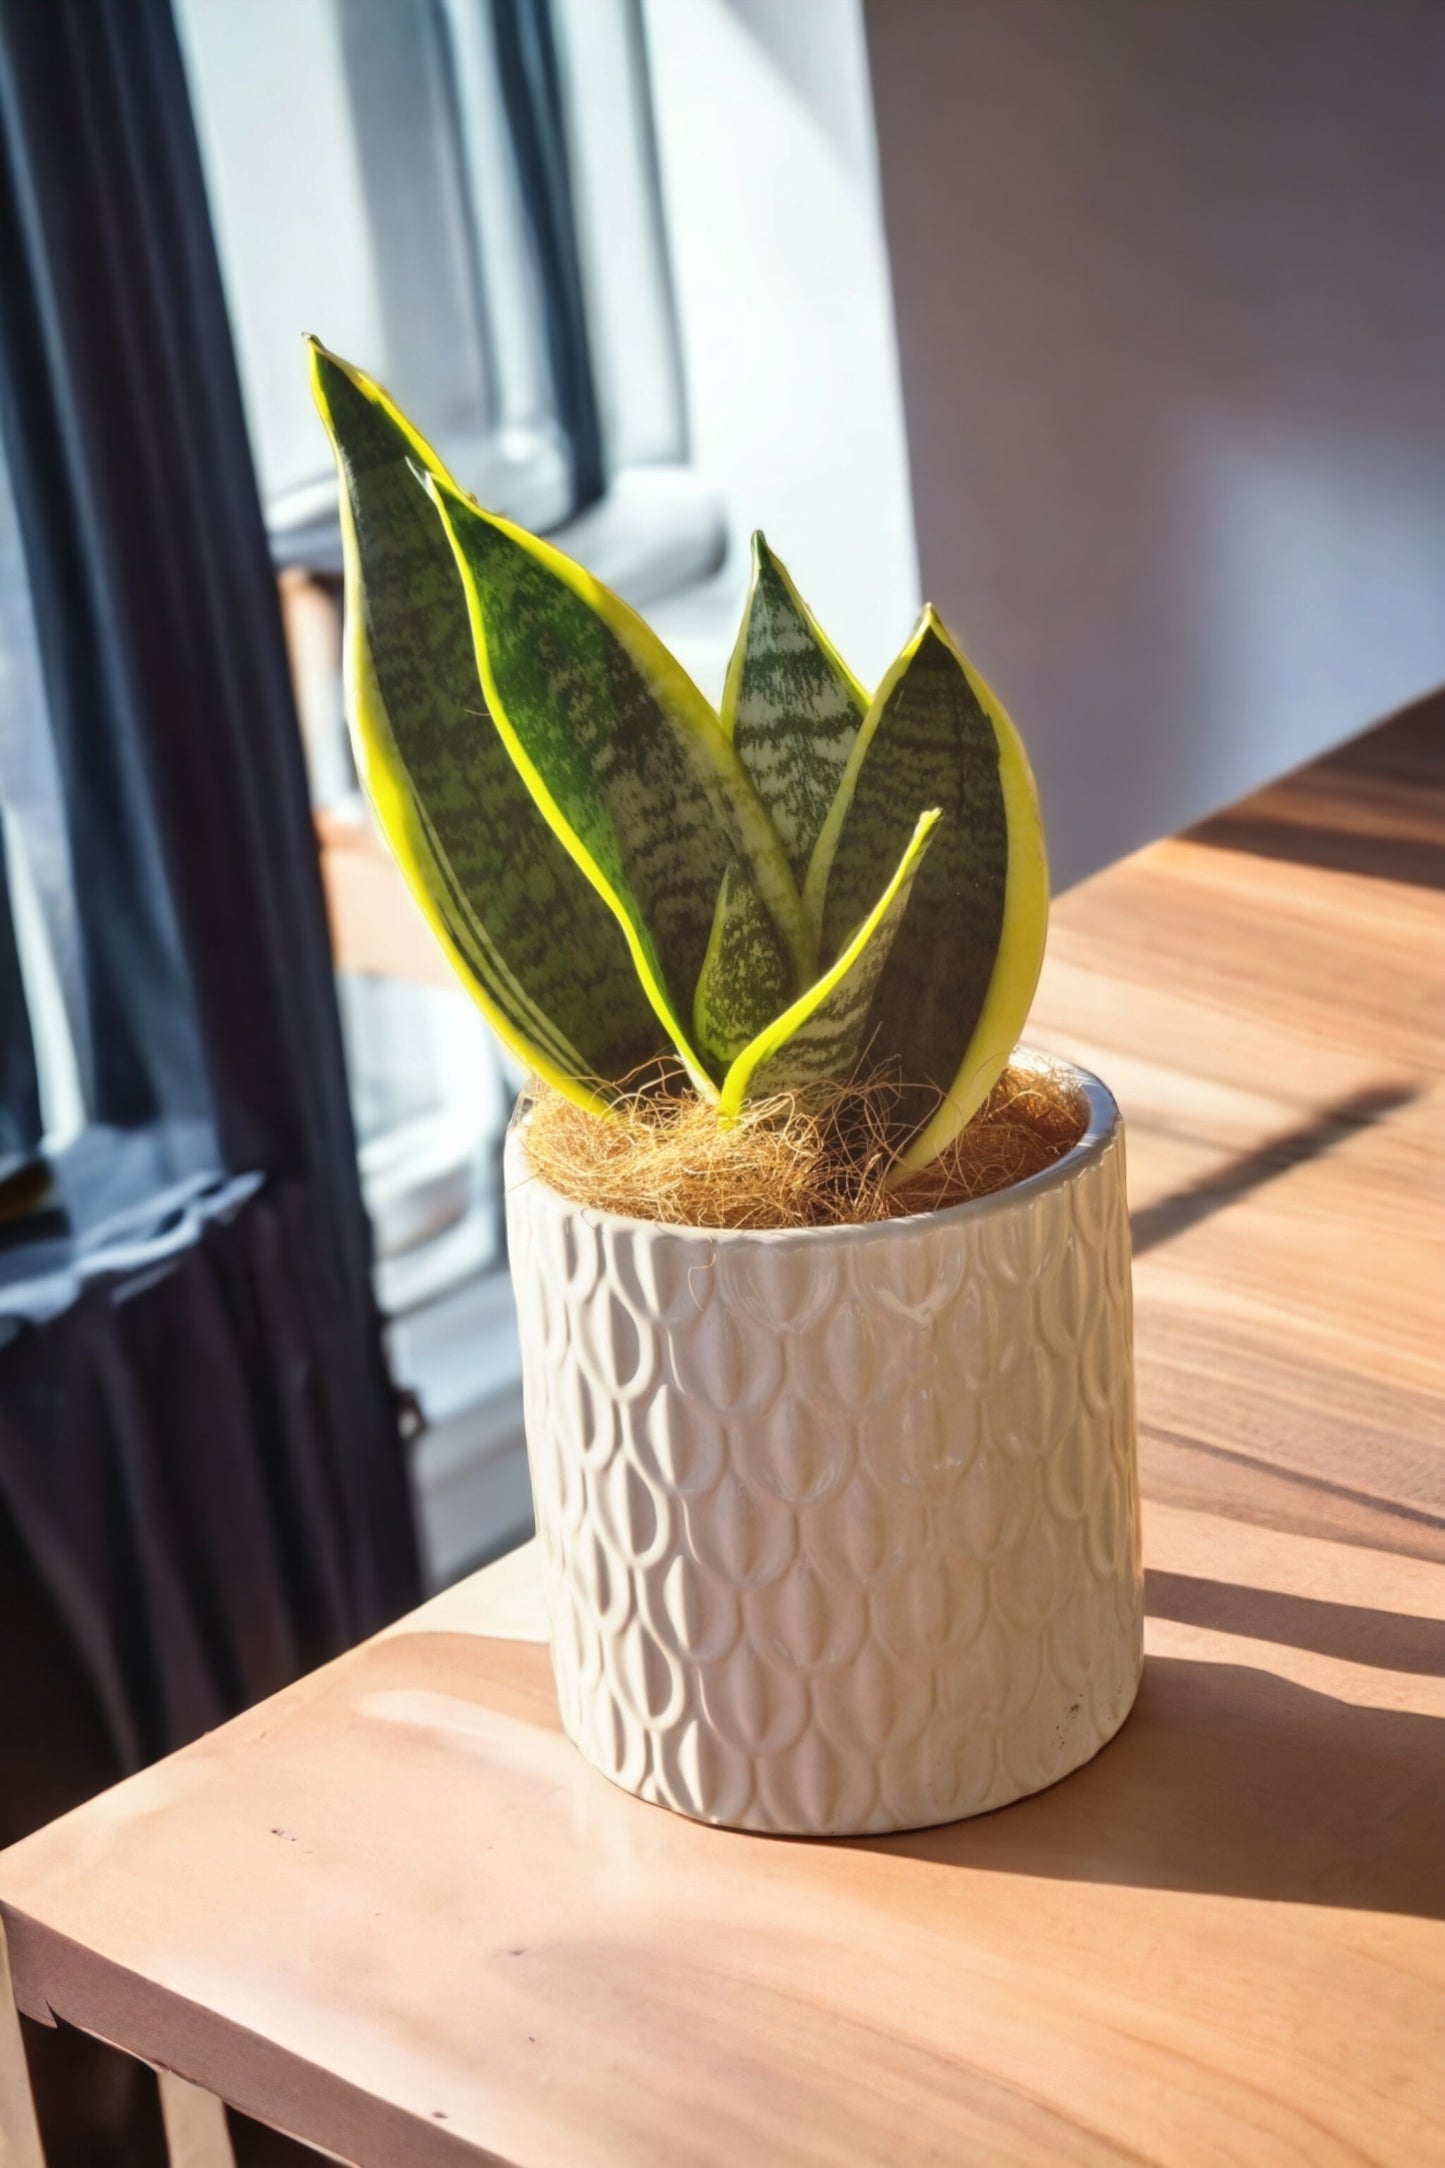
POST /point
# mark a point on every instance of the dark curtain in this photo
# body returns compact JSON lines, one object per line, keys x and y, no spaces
{"x":201,"y":1476}
{"x":202,"y":918}
{"x":168,"y":692}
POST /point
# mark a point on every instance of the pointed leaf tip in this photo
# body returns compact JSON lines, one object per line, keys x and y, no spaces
{"x":491,"y":878}
{"x":952,"y":997}
{"x":791,"y":706}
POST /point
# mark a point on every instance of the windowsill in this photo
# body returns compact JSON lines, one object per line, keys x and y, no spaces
{"x":657,"y":531}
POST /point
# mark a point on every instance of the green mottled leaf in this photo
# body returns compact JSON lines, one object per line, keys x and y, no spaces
{"x":792,"y":710}
{"x":746,"y":978}
{"x":520,"y":922}
{"x":952,"y":998}
{"x":624,"y":756}
{"x":791,"y":706}
{"x":822,"y":1038}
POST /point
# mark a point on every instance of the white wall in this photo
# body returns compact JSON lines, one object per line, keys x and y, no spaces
{"x":1170,"y":289}
{"x":765,"y":143}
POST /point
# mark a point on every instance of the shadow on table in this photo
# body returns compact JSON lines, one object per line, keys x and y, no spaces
{"x":1334,"y":845}
{"x":1389,"y":1640}
{"x":1231,"y":1782}
{"x":1343,"y":813}
{"x":1173,"y":1215}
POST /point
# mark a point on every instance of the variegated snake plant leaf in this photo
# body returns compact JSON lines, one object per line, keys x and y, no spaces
{"x":806,"y":889}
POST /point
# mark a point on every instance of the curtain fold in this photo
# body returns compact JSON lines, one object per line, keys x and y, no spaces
{"x":168,"y":1458}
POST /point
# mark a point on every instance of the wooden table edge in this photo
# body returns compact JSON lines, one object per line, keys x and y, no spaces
{"x":53,"y":1977}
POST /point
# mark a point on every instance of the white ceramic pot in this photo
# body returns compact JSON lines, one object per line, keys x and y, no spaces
{"x":840,"y":1526}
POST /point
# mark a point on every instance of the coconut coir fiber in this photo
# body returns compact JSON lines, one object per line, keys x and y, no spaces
{"x":663,"y":1156}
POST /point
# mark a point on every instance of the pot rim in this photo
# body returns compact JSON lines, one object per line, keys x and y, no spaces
{"x":1104,"y":1124}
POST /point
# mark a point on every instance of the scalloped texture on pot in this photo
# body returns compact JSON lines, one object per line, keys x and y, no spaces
{"x":840,"y":1527}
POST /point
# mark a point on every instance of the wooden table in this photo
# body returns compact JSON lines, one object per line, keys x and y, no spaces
{"x":393,"y":1912}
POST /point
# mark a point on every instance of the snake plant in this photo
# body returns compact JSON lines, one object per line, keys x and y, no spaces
{"x":805,"y":887}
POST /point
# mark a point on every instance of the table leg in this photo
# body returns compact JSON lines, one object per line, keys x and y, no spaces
{"x":20,"y":2145}
{"x":197,"y":2135}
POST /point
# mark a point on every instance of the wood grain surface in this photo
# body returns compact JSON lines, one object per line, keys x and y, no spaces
{"x":391,"y":1910}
